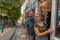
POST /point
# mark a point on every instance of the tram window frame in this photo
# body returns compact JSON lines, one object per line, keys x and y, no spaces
{"x":57,"y":21}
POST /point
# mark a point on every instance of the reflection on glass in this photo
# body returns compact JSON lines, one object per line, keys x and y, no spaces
{"x":57,"y":33}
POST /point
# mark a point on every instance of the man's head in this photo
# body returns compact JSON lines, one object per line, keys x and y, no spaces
{"x":0,"y":16}
{"x":31,"y":14}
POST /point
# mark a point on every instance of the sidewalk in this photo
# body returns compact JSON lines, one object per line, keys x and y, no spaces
{"x":4,"y":31}
{"x":8,"y":32}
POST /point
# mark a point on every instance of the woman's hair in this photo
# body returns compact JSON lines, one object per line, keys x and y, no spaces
{"x":38,"y":14}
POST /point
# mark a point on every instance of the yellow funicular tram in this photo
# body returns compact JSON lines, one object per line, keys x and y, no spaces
{"x":54,"y":7}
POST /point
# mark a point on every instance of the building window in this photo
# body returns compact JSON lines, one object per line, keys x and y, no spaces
{"x":57,"y":32}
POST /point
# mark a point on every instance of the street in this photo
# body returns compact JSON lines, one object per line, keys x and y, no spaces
{"x":6,"y":35}
{"x":20,"y":34}
{"x":12,"y":34}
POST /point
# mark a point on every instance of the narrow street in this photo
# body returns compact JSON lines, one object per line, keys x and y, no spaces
{"x":13,"y":34}
{"x":20,"y":33}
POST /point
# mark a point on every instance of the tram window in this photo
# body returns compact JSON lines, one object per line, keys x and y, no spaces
{"x":57,"y":33}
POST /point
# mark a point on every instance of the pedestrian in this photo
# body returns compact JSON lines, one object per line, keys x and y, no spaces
{"x":1,"y":22}
{"x":25,"y":19}
{"x":29,"y":30}
{"x":40,"y":29}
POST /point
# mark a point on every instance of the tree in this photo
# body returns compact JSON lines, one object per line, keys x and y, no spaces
{"x":11,"y":8}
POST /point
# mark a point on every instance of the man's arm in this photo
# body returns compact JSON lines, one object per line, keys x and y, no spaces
{"x":26,"y":33}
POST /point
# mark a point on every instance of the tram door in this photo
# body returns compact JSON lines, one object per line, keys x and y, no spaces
{"x":56,"y":19}
{"x":57,"y":32}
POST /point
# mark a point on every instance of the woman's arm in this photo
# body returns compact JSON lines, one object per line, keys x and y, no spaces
{"x":40,"y":34}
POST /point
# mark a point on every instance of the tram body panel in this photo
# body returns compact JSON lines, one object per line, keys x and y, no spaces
{"x":55,"y":20}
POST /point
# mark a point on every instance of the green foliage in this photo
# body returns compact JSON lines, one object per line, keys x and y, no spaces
{"x":11,"y":8}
